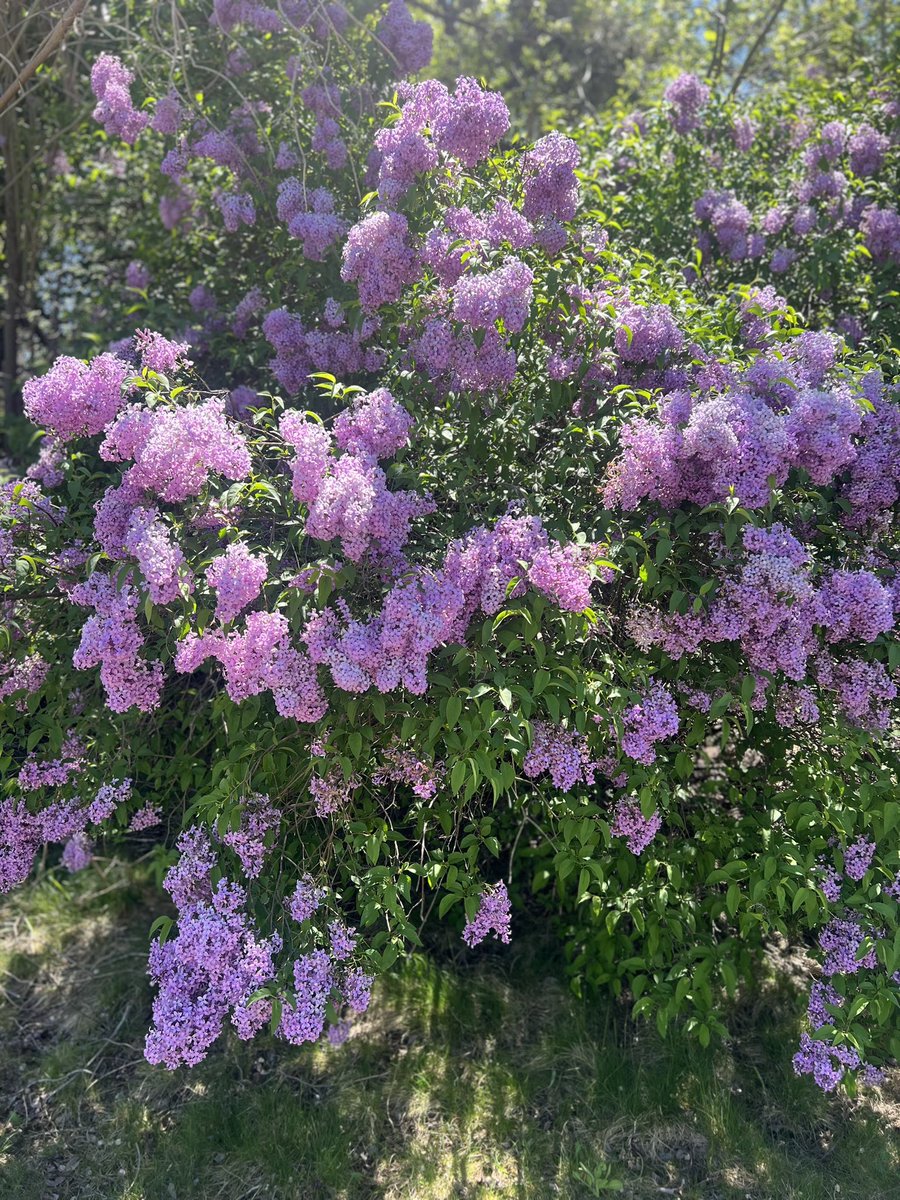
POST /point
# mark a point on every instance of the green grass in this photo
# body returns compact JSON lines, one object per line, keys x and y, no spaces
{"x":482,"y":1080}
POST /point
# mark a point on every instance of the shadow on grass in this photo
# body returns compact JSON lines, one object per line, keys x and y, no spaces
{"x":475,"y":1078}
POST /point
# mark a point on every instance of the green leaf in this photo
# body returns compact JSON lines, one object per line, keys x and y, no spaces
{"x":457,"y":775}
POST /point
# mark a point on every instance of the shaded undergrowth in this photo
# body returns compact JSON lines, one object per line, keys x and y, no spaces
{"x":472,"y":1079}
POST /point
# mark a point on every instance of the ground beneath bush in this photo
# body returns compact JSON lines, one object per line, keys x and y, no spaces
{"x":473,"y":1081}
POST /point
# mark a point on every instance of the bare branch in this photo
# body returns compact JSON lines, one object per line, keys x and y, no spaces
{"x":47,"y":47}
{"x":773,"y":16}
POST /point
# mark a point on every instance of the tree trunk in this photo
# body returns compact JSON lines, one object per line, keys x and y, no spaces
{"x":11,"y":16}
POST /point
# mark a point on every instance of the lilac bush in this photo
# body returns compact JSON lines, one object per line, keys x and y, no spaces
{"x":424,"y":549}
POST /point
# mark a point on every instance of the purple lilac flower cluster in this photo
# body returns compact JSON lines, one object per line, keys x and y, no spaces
{"x":300,"y":350}
{"x":74,"y":399}
{"x":111,"y":84}
{"x":112,"y":641}
{"x":347,"y":496}
{"x":53,"y":772}
{"x":777,"y":614}
{"x":431,"y":608}
{"x":22,"y":833}
{"x":310,"y":217}
{"x":464,"y":125}
{"x":687,"y":97}
{"x":306,"y":899}
{"x":493,"y":916}
{"x":402,"y":765}
{"x":331,"y":792}
{"x":260,"y":657}
{"x":825,"y":1059}
{"x":629,"y":822}
{"x":237,"y":578}
{"x":751,"y":431}
{"x":250,"y":841}
{"x":409,"y":42}
{"x":561,"y":753}
{"x":211,"y":969}
{"x":653,"y":719}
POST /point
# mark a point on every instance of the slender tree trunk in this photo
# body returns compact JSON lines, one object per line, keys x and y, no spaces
{"x":12,"y":217}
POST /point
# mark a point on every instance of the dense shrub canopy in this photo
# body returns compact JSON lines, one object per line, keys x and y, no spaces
{"x":459,"y":524}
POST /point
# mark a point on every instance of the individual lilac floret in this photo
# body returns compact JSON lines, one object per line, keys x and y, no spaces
{"x":493,"y":916}
{"x":630,"y":823}
{"x":237,"y":578}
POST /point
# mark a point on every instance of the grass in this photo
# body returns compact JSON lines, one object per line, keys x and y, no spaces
{"x":472,"y":1081}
